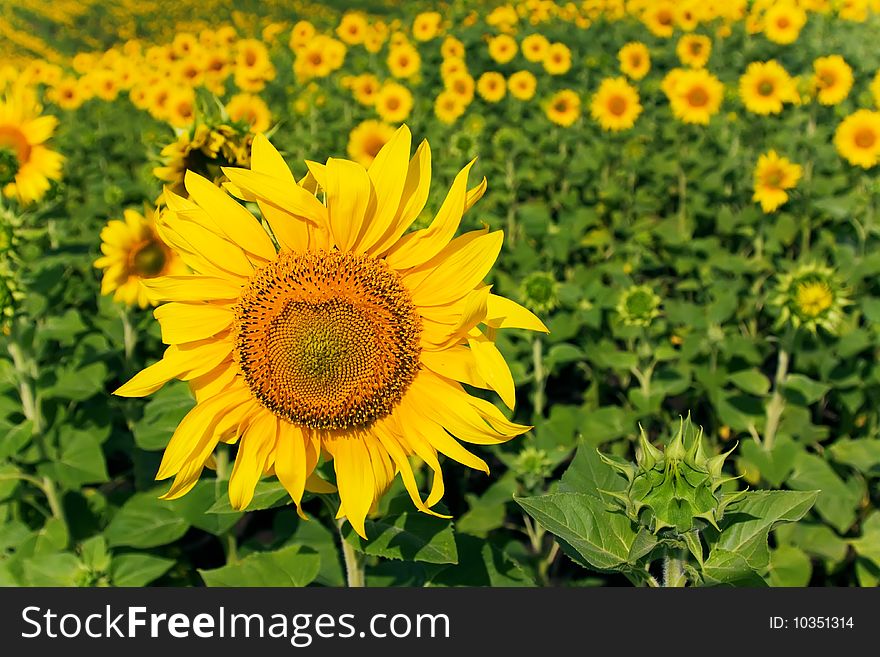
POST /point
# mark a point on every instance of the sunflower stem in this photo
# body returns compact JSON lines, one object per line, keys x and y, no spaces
{"x":129,"y":335}
{"x":354,"y":560}
{"x":673,"y":572}
{"x":777,"y":403}
{"x":539,"y":373}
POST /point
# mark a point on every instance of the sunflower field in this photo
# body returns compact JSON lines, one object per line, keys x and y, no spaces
{"x":440,"y":294}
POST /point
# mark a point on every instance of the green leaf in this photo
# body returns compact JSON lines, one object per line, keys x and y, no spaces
{"x":747,"y":523}
{"x":601,"y":539}
{"x":267,"y":495}
{"x":294,"y":565}
{"x":81,"y":461}
{"x":863,"y":454}
{"x":79,"y":383}
{"x":145,"y":521}
{"x":194,"y":507}
{"x":162,"y":414}
{"x":789,"y":566}
{"x":590,"y":475}
{"x":799,"y":389}
{"x":59,"y":569}
{"x":411,"y":536}
{"x":838,"y":502}
{"x":138,"y":569}
{"x":94,"y":554}
{"x":726,"y":568}
{"x":481,"y":563}
{"x":751,"y":381}
{"x":775,"y":464}
{"x":814,"y":539}
{"x":867,"y":545}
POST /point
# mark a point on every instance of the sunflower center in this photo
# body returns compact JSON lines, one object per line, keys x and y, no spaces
{"x":617,"y":105}
{"x":773,"y":178}
{"x":766,"y":88}
{"x":697,"y":97}
{"x":865,"y":138}
{"x":12,"y":138}
{"x":149,"y":260}
{"x":782,"y":22}
{"x":814,"y":298}
{"x":827,"y":79}
{"x":327,"y":340}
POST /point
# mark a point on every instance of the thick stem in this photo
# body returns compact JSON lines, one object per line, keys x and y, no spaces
{"x":129,"y":335}
{"x":539,"y":374}
{"x":354,"y":561}
{"x":673,"y":572}
{"x":777,"y":403}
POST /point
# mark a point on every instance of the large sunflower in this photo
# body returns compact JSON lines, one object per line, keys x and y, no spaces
{"x":340,"y":334}
{"x":26,"y":165}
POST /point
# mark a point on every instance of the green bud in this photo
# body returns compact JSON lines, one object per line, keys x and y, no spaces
{"x":638,"y":306}
{"x":539,"y":292}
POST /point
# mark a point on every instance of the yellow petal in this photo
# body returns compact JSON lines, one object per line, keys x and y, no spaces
{"x":422,"y":245}
{"x":290,"y":462}
{"x":176,"y":363}
{"x":502,"y":313}
{"x":280,"y":193}
{"x":476,"y":194}
{"x":202,"y":240}
{"x":493,"y":368}
{"x":184,"y":481}
{"x":388,"y":176}
{"x":454,"y":363}
{"x":190,"y":288}
{"x":187,"y":322}
{"x":250,"y":462}
{"x":315,"y":484}
{"x":265,"y":158}
{"x":350,"y":202}
{"x":423,"y":449}
{"x":354,"y":478}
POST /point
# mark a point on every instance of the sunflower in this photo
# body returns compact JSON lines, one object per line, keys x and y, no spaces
{"x":833,"y":78}
{"x":765,"y":87}
{"x":535,"y":47}
{"x":404,"y":61}
{"x":638,"y":306}
{"x":812,"y":297}
{"x":783,"y":22}
{"x":26,"y":165}
{"x":452,"y":66}
{"x":203,"y":149}
{"x":696,"y":96}
{"x":615,"y":105}
{"x":462,"y":85}
{"x":182,"y":107}
{"x":133,"y":251}
{"x":492,"y":86}
{"x":350,"y":341}
{"x":66,"y":94}
{"x":502,"y":48}
{"x":635,"y":60}
{"x":250,"y":109}
{"x":774,"y":175}
{"x":449,"y":106}
{"x":365,"y":87}
{"x":319,"y":58}
{"x":659,"y":17}
{"x":522,"y":85}
{"x":352,"y":28}
{"x":394,"y":102}
{"x":367,"y":139}
{"x":557,"y":61}
{"x":300,"y":35}
{"x":564,"y":108}
{"x":693,"y":50}
{"x":426,"y":25}
{"x":857,"y":138}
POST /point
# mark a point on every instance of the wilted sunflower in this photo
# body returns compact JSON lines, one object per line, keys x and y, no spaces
{"x":615,"y":105}
{"x":26,"y":165}
{"x":773,"y":176}
{"x":133,"y":251}
{"x":811,"y":296}
{"x":340,"y":334}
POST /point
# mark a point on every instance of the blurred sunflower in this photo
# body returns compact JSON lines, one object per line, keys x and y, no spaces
{"x":522,"y":85}
{"x":811,"y":296}
{"x":404,"y":61}
{"x":449,"y":106}
{"x":367,"y":139}
{"x":352,"y":28}
{"x":26,"y":165}
{"x":365,"y":87}
{"x":832,"y":78}
{"x":462,"y":85}
{"x":502,"y":48}
{"x":774,"y":175}
{"x":534,"y":47}
{"x":693,"y":50}
{"x":696,"y":96}
{"x":182,"y":107}
{"x":857,"y":138}
{"x":765,"y":87}
{"x":426,"y":25}
{"x":492,"y":86}
{"x":564,"y":108}
{"x":251,"y":110}
{"x":66,"y":94}
{"x":133,"y":251}
{"x":300,"y":35}
{"x":557,"y":61}
{"x":659,"y":17}
{"x":393,"y":102}
{"x":783,"y":22}
{"x":635,"y":60}
{"x":638,"y":306}
{"x":350,"y":342}
{"x":452,"y":48}
{"x":615,"y":105}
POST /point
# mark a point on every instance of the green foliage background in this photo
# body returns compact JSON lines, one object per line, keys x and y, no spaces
{"x":664,"y":205}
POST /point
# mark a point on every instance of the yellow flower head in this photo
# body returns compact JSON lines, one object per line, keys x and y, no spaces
{"x":393,"y":102}
{"x":615,"y":105}
{"x":352,"y":28}
{"x":693,"y":50}
{"x":502,"y":48}
{"x":535,"y":47}
{"x":462,"y":85}
{"x":66,"y":94}
{"x":452,"y":48}
{"x":557,"y":61}
{"x":765,"y":87}
{"x":365,"y":87}
{"x":300,"y":35}
{"x":133,"y":251}
{"x":696,"y":96}
{"x":452,"y":66}
{"x":404,"y":61}
{"x":491,"y":86}
{"x":250,"y":109}
{"x":832,"y":78}
{"x":182,"y":107}
{"x":857,"y":138}
{"x":449,"y":106}
{"x":367,"y":139}
{"x":635,"y":60}
{"x":426,"y":25}
{"x":26,"y":165}
{"x":564,"y":108}
{"x":319,"y":58}
{"x":522,"y":85}
{"x":774,"y":175}
{"x":659,"y":17}
{"x":332,"y":338}
{"x":783,"y":22}
{"x":811,"y":296}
